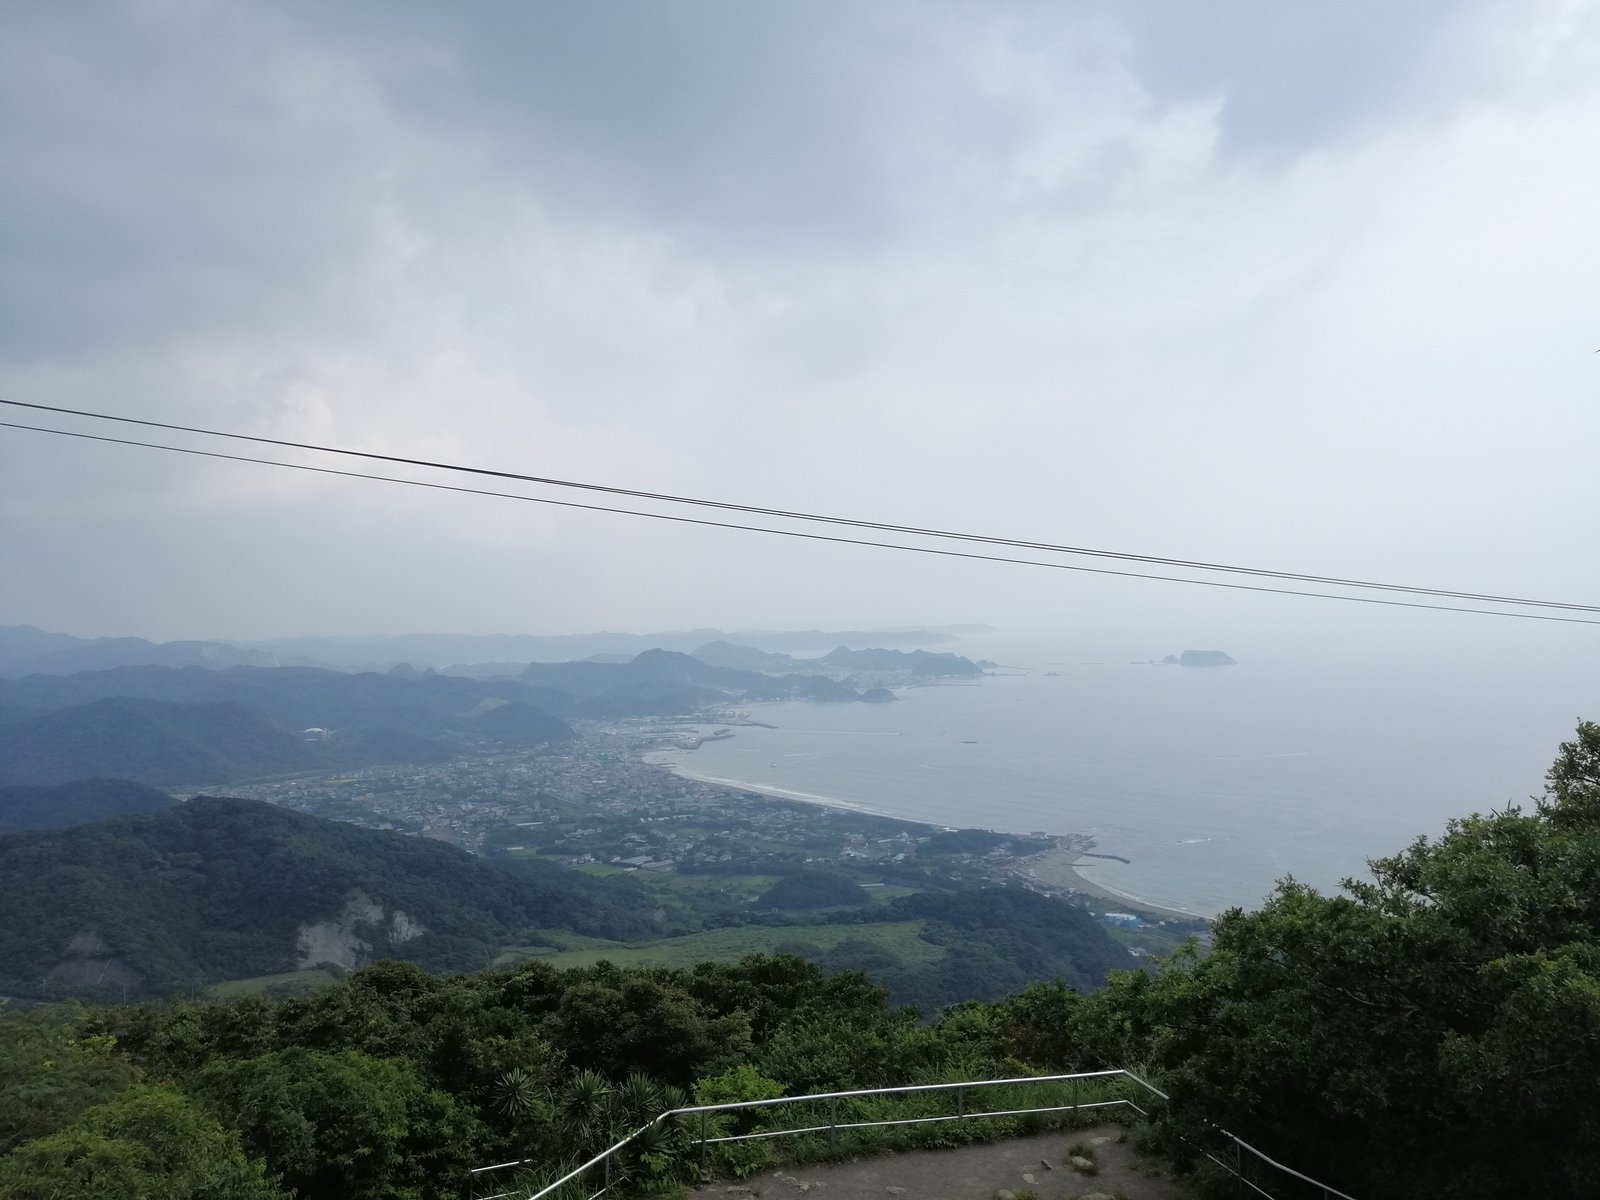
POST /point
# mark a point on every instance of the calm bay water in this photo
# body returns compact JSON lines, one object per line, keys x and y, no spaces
{"x":1213,"y":782}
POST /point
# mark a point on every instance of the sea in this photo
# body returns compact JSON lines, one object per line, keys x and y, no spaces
{"x":1213,"y":783}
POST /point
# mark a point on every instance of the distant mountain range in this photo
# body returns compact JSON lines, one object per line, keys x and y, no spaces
{"x":201,"y":727}
{"x":154,"y":741}
{"x":665,"y":682}
{"x":194,"y":726}
{"x":25,"y":650}
{"x":224,"y":889}
{"x":445,"y":650}
{"x":201,"y":714}
{"x":83,"y":800}
{"x":926,"y":664}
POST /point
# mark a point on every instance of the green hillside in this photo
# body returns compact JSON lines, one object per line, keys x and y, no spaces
{"x":220,"y":889}
{"x":84,"y":800}
{"x":152,"y":741}
{"x":195,"y":726}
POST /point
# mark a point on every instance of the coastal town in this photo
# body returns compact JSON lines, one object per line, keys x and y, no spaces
{"x":595,"y":804}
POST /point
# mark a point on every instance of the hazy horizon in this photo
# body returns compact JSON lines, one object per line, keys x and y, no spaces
{"x":1304,"y":289}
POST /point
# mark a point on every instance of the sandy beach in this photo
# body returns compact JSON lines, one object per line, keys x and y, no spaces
{"x":1059,"y":868}
{"x":774,"y":793}
{"x":1056,"y":868}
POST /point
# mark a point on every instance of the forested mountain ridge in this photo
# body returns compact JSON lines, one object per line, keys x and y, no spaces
{"x":293,"y":697}
{"x":201,"y":726}
{"x":152,"y":741}
{"x":916,"y":663}
{"x":197,"y":726}
{"x":25,"y":650}
{"x":656,"y":682}
{"x":75,"y":803}
{"x":220,"y":889}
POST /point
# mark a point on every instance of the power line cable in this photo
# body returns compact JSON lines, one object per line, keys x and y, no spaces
{"x":796,"y":533}
{"x":881,"y":526}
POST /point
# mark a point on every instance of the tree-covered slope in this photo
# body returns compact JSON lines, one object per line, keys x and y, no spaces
{"x":1003,"y":939}
{"x":292,"y":697}
{"x":151,"y":741}
{"x":75,"y":803}
{"x":195,"y":726}
{"x":218,"y":889}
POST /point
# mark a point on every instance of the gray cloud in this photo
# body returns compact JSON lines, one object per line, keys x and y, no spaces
{"x":1300,"y":289}
{"x":1295,"y":77}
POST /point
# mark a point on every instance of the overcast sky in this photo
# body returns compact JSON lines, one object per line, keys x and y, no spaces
{"x":1312,"y":287}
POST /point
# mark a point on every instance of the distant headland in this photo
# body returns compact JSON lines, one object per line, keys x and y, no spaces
{"x":1201,"y":658}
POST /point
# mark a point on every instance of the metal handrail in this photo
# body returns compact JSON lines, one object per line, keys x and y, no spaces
{"x":834,"y":1125}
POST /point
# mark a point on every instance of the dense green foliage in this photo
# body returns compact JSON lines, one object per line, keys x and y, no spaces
{"x":78,"y":1119}
{"x":1434,"y":1033}
{"x":1000,"y":940}
{"x":75,"y":803}
{"x":217,"y":889}
{"x":394,"y":1082}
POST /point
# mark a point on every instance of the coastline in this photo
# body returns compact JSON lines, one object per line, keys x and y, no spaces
{"x":1060,"y":868}
{"x":772,"y":792}
{"x":1055,"y":868}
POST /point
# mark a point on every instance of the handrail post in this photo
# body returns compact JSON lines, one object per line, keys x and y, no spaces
{"x":607,"y":1187}
{"x":703,"y":1144}
{"x":961,"y":1104}
{"x":833,"y":1122}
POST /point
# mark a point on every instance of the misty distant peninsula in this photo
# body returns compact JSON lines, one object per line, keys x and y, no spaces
{"x":1201,"y":658}
{"x":191,"y":713}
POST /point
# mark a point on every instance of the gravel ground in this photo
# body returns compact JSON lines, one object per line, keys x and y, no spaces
{"x":965,"y":1173}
